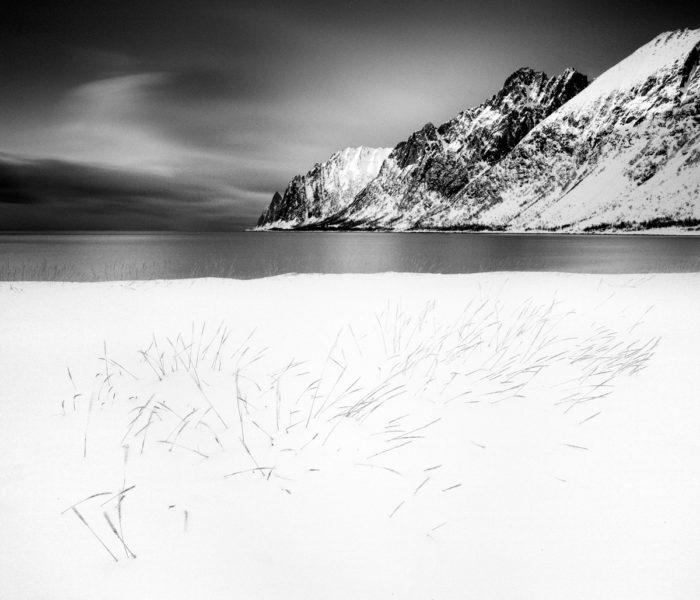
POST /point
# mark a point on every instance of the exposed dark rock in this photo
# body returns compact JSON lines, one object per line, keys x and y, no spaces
{"x":544,"y":153}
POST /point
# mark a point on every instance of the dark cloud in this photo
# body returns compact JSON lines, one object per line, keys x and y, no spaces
{"x":238,"y":97}
{"x":53,"y":194}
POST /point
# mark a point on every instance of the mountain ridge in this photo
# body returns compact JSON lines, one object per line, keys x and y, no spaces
{"x":547,"y":154}
{"x":607,"y":156}
{"x":326,"y":188}
{"x":435,"y":162}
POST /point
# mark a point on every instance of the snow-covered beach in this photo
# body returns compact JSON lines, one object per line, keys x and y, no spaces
{"x":494,"y":435}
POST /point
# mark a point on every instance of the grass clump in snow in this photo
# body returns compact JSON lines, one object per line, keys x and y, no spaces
{"x":394,"y":397}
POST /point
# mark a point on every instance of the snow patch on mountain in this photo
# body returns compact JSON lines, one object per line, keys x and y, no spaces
{"x":423,"y":172}
{"x":623,"y":152}
{"x":327,"y":188}
{"x":543,"y":154}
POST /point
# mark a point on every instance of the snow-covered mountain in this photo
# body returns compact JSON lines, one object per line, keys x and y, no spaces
{"x":326,"y":189}
{"x":623,"y":153}
{"x":429,"y":168}
{"x":542,"y":154}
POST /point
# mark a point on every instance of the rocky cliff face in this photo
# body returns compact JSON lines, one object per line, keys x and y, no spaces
{"x":326,"y":189}
{"x":551,"y":154}
{"x":426,"y":170}
{"x":623,"y":153}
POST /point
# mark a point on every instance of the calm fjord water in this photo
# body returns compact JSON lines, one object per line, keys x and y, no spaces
{"x":124,"y":256}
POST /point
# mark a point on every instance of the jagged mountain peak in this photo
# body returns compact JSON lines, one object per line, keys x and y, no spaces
{"x":344,"y":156}
{"x":526,"y":84}
{"x":435,"y":162}
{"x":328,"y":187}
{"x":407,"y":153}
{"x":520,"y":80}
{"x":624,"y":150}
{"x":351,"y":150}
{"x":547,"y":153}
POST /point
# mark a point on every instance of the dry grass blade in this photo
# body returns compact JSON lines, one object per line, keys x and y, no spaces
{"x":393,"y":512}
{"x":171,"y":444}
{"x":421,"y":485}
{"x":90,"y":497}
{"x":389,"y":449}
{"x":127,"y":550}
{"x":452,"y":487}
{"x":249,"y":471}
{"x":92,"y":531}
{"x":119,"y":494}
{"x":589,"y":418}
{"x":394,"y":471}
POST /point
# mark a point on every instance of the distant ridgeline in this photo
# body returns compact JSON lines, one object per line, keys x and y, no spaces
{"x":543,"y":154}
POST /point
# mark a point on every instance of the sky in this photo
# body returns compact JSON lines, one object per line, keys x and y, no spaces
{"x":185,"y":115}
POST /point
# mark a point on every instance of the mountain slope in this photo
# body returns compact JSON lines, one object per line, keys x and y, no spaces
{"x":623,"y":153}
{"x":436,"y":162}
{"x":544,"y":154}
{"x":325,"y":189}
